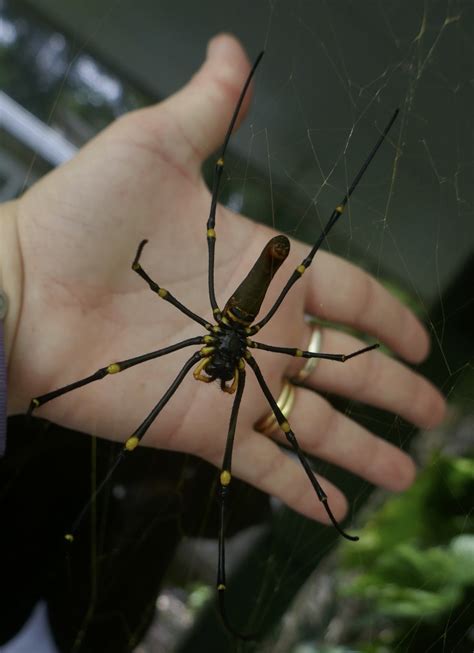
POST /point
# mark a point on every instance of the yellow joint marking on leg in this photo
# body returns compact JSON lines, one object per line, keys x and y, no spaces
{"x":35,"y":402}
{"x":162,"y":292}
{"x":221,"y":587}
{"x":113,"y":368}
{"x":69,"y":537}
{"x":220,"y":161}
{"x":298,"y":352}
{"x":248,"y":355}
{"x":136,"y":266}
{"x":339,"y":208}
{"x":132,"y":443}
{"x":225,"y":477}
{"x":216,"y":329}
{"x":216,"y":311}
{"x":205,"y":351}
{"x":209,"y":339}
{"x":300,"y":269}
{"x":211,"y":233}
{"x":225,"y":321}
{"x":285,"y":427}
{"x":241,"y":364}
{"x":248,"y":330}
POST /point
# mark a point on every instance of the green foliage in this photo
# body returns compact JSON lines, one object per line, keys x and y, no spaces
{"x":412,"y":582}
{"x":415,"y":559}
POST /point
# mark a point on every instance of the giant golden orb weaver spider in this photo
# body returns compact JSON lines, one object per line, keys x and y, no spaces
{"x":225,"y":350}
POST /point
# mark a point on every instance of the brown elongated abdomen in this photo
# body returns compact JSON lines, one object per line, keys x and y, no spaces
{"x":245,"y":303}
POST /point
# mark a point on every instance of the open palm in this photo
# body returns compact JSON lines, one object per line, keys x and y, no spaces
{"x":82,"y":307}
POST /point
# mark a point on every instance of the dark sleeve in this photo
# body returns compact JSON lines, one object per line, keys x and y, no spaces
{"x":3,"y":378}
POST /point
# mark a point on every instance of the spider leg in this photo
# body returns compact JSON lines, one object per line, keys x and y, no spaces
{"x":210,"y":231}
{"x":162,"y":292}
{"x":300,"y":353}
{"x":290,"y":436}
{"x":336,"y":214}
{"x":225,"y":478}
{"x":113,"y":368}
{"x":133,"y":441}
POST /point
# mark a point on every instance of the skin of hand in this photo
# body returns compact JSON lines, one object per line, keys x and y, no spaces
{"x":66,"y":249}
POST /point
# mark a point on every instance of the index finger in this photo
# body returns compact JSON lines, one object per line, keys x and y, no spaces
{"x":341,"y":292}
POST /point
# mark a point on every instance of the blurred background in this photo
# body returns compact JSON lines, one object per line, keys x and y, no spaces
{"x":142,"y":577}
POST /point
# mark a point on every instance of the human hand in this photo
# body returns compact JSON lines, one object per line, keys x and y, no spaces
{"x":82,"y":307}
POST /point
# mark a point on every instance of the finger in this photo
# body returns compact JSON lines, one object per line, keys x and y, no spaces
{"x":204,"y":107}
{"x":260,"y":462}
{"x":342,"y":292}
{"x":376,"y":379}
{"x":326,"y":433}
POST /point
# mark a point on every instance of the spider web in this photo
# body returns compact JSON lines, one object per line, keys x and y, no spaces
{"x":332,"y":75}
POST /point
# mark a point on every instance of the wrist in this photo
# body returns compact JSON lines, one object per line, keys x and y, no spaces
{"x":10,"y":273}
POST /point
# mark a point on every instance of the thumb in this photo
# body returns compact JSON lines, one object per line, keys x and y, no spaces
{"x":204,"y":107}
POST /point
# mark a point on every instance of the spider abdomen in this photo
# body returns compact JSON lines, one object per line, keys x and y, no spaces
{"x":246,"y":301}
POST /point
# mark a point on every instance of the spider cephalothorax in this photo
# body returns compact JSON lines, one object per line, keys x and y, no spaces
{"x":222,"y":356}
